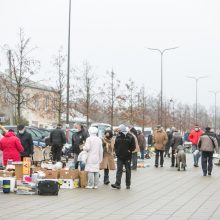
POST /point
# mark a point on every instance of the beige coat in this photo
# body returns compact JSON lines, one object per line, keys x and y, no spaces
{"x":108,"y":161}
{"x":137,"y":148}
{"x":160,"y":139}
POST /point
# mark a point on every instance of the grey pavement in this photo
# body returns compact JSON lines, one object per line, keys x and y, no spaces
{"x":156,"y":193}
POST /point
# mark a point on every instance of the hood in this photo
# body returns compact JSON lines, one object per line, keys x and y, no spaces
{"x":9,"y":134}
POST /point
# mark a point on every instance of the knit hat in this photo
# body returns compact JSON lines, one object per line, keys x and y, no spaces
{"x":122,"y":128}
{"x":93,"y":130}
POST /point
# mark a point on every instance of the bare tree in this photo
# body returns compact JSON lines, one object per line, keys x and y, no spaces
{"x":85,"y":90}
{"x":23,"y":67}
{"x":111,"y":93}
{"x":59,"y":100}
{"x":131,"y":99}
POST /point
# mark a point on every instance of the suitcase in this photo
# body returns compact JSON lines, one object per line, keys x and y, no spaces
{"x":48,"y":187}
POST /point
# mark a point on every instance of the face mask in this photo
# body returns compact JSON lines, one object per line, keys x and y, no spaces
{"x":77,"y":130}
{"x":21,"y":132}
{"x":196,"y":129}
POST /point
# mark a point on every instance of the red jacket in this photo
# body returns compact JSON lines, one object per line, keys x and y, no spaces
{"x":11,"y":147}
{"x":194,"y":136}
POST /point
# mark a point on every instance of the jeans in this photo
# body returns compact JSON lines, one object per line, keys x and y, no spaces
{"x":120,"y":164}
{"x":75,"y":156}
{"x":195,"y":157}
{"x":82,"y":165}
{"x":159,"y":153}
{"x":207,"y":164}
{"x":93,"y":179}
{"x":142,"y":154}
{"x":56,"y":152}
{"x":134,"y":160}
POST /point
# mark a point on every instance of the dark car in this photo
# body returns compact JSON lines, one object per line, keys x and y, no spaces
{"x":37,"y":136}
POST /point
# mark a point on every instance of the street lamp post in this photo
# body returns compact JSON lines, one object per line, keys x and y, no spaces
{"x":215,"y":94}
{"x":161,"y":77}
{"x":68,"y":68}
{"x":196,"y":80}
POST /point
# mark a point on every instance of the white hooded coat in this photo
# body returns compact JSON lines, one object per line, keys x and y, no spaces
{"x":94,"y":148}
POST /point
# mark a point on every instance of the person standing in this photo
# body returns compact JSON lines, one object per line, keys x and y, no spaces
{"x":11,"y":147}
{"x":141,"y":143}
{"x":160,"y":139}
{"x":78,"y":141}
{"x":168,"y":144}
{"x":26,"y":141}
{"x":207,"y":145}
{"x":124,"y":146}
{"x":175,"y":142}
{"x":133,"y":131}
{"x":108,"y":162}
{"x":57,"y":140}
{"x":194,"y":138}
{"x":94,"y":148}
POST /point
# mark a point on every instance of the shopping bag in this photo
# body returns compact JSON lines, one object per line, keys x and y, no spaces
{"x":83,"y":179}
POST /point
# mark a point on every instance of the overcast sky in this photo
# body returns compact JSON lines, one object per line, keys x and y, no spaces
{"x":116,"y":34}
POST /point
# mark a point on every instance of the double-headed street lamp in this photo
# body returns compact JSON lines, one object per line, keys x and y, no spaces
{"x":161,"y":89}
{"x":215,"y":94}
{"x":196,"y":80}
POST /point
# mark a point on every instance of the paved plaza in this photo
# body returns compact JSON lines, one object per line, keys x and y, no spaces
{"x":156,"y":193}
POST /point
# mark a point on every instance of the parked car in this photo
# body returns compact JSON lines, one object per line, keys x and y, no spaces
{"x":102,"y":127}
{"x":37,"y":136}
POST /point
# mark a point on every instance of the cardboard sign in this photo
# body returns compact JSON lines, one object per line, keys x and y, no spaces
{"x":26,"y":166}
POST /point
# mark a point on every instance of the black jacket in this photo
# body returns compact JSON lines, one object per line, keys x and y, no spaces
{"x":57,"y":137}
{"x":78,"y":139}
{"x":27,"y":143}
{"x":124,"y":145}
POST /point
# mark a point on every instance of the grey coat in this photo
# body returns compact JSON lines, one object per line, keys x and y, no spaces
{"x":208,"y":143}
{"x":176,"y":140}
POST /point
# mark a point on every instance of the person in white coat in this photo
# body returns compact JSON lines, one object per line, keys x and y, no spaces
{"x":94,"y":148}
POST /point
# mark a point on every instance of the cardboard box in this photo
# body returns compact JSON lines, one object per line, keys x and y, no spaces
{"x":4,"y":173}
{"x":51,"y":174}
{"x":36,"y":169}
{"x":69,"y":174}
{"x":19,"y":171}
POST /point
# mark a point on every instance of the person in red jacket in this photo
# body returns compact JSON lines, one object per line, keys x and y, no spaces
{"x":194,"y":137}
{"x":11,"y":147}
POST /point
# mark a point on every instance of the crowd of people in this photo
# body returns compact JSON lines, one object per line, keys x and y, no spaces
{"x":91,"y":153}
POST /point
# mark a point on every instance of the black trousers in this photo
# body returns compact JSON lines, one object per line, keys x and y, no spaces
{"x":56,"y":152}
{"x":159,"y":153}
{"x":207,"y":161}
{"x":106,"y":175}
{"x":173,"y":158}
{"x":120,"y":164}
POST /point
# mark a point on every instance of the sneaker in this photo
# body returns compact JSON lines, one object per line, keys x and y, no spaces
{"x":204,"y":174}
{"x":209,"y":174}
{"x":95,"y":187}
{"x":161,"y":165}
{"x":89,"y":187}
{"x":115,"y":186}
{"x":128,"y":187}
{"x":172,"y":166}
{"x":156,"y":166}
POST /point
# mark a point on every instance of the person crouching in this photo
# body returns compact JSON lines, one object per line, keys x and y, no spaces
{"x":181,"y":157}
{"x":94,"y":148}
